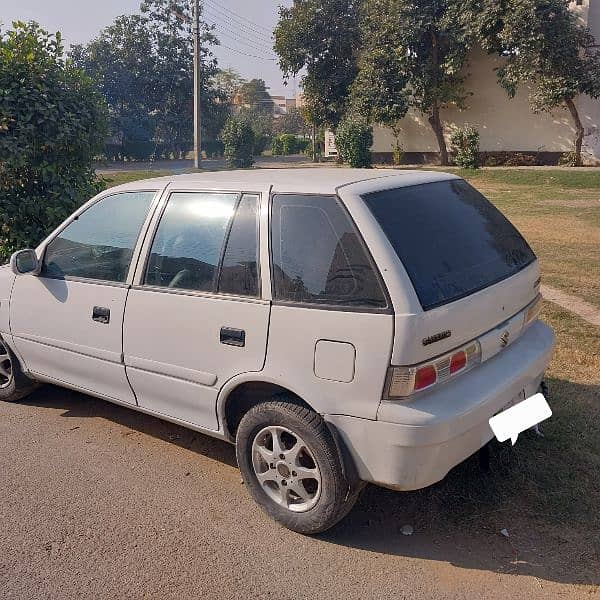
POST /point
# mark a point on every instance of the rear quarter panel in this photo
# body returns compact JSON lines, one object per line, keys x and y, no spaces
{"x":294,"y":336}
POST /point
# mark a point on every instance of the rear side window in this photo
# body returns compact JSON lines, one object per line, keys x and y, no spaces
{"x":239,"y":273}
{"x":451,"y":240}
{"x":189,"y":240}
{"x":99,"y":243}
{"x":318,"y":256}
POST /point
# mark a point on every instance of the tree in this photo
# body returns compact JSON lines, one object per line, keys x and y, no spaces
{"x":323,"y":37}
{"x":380,"y":90}
{"x":143,"y":64}
{"x":52,"y":124}
{"x":253,"y":95}
{"x":291,"y":122}
{"x":414,"y":55}
{"x":543,"y":46}
{"x":228,"y":82}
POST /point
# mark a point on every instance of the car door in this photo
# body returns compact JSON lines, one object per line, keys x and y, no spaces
{"x":67,"y":321}
{"x":195,"y":317}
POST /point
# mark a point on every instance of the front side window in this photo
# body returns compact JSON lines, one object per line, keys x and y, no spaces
{"x":318,"y":256}
{"x":188,"y":244}
{"x":99,"y":243}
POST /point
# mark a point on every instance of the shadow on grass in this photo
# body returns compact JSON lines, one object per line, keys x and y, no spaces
{"x":544,"y":491}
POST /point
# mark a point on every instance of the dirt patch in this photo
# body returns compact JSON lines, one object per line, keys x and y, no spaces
{"x":576,"y":305}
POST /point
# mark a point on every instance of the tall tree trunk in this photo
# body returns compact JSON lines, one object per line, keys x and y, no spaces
{"x":579,"y":131}
{"x":434,"y":117}
{"x":436,"y":125}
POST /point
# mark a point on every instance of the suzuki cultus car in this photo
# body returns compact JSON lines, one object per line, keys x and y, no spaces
{"x":339,"y":326}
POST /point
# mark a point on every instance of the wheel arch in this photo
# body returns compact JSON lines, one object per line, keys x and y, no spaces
{"x":241,"y":393}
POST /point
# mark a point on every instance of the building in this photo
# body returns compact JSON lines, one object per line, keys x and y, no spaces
{"x":281,"y":104}
{"x":506,"y":126}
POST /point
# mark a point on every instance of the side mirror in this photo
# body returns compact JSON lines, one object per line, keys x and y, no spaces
{"x":25,"y":261}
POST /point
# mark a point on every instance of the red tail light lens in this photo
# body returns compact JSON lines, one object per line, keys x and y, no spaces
{"x":404,"y":381}
{"x":424,"y":377}
{"x":458,"y":361}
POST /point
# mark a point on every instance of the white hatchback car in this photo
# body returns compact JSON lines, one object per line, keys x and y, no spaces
{"x":340,"y":326}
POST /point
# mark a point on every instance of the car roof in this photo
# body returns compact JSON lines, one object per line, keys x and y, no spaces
{"x":326,"y":180}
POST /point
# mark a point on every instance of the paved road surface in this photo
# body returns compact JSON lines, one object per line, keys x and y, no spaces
{"x":97,"y":501}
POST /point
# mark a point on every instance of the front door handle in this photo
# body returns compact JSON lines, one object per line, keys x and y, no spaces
{"x":233,"y":337}
{"x":101,"y":315}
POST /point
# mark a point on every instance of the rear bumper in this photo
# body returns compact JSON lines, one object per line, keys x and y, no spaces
{"x":414,"y":444}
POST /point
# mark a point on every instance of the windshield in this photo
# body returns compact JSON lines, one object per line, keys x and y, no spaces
{"x":451,"y":240}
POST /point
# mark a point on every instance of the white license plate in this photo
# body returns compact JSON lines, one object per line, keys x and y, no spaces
{"x":508,"y":423}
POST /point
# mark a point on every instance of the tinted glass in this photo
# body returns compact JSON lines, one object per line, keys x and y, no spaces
{"x":318,"y":256}
{"x":451,"y":240}
{"x":187,"y":246}
{"x":99,"y":244}
{"x":239,"y":273}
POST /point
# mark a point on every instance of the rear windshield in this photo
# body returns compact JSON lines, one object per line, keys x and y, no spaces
{"x":451,"y":240}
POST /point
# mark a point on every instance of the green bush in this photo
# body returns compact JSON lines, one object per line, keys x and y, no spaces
{"x":261,"y":142}
{"x":354,"y":138}
{"x":276,"y":146}
{"x":53,"y":123}
{"x":213,"y":148}
{"x":288,"y":143}
{"x":238,"y":142}
{"x":568,"y":159}
{"x":465,"y":142}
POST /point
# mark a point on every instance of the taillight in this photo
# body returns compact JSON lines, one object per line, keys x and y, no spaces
{"x":424,"y":377}
{"x":458,"y":362}
{"x":404,"y":381}
{"x":533,"y":311}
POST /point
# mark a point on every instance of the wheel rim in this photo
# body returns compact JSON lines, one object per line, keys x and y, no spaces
{"x":286,"y":468}
{"x":6,"y":373}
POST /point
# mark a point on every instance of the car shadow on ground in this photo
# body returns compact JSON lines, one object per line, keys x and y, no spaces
{"x":552,"y":519}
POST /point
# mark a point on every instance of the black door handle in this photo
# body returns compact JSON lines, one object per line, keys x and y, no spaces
{"x":101,"y":315}
{"x":233,"y":337}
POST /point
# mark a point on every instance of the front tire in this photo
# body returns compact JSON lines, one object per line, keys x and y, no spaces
{"x":292,"y":468}
{"x":14,"y":385}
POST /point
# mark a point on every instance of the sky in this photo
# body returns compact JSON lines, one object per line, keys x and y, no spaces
{"x":244,"y":28}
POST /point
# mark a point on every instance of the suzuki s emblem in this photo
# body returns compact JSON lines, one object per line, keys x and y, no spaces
{"x":504,"y":339}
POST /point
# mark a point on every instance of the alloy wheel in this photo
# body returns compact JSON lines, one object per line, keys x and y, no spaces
{"x":286,"y":468}
{"x":6,"y":374}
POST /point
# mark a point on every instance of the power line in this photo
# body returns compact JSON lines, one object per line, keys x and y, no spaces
{"x":244,"y":28}
{"x":233,"y":15}
{"x":236,"y":37}
{"x":246,"y":54}
{"x":242,"y":41}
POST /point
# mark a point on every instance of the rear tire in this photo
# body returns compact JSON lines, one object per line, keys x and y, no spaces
{"x":291,"y":466}
{"x":14,"y":385}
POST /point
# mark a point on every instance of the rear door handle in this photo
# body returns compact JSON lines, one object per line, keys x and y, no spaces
{"x":101,"y":315}
{"x":233,"y":337}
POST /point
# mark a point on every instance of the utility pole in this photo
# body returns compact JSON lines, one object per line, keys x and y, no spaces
{"x":197,"y":87}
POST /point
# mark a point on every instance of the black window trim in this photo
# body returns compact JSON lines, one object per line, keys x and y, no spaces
{"x":471,"y":292}
{"x":152,"y":231}
{"x":387,"y":310}
{"x":226,"y":244}
{"x":136,"y":250}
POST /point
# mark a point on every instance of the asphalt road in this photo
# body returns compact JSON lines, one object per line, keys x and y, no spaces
{"x":97,"y":501}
